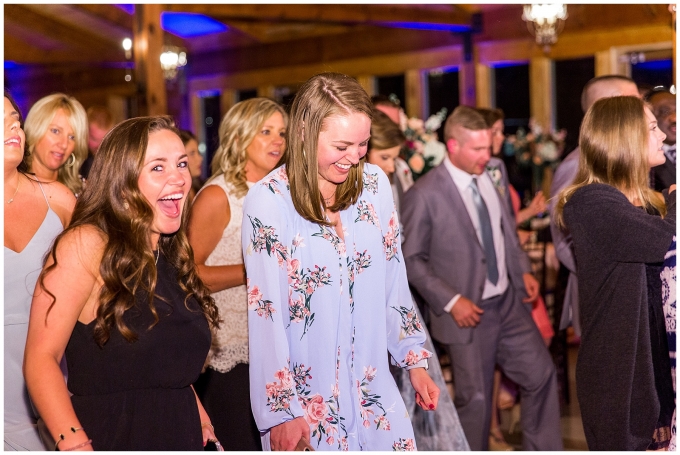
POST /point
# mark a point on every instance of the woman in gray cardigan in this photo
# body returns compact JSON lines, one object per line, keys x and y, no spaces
{"x":621,"y":382}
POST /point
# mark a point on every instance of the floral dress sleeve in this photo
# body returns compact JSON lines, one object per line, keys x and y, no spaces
{"x":405,"y":335}
{"x":272,"y":387}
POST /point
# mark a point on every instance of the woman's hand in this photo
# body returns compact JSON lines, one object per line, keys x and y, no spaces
{"x":427,"y":392}
{"x":671,"y":188}
{"x":209,"y":435}
{"x":285,"y":436}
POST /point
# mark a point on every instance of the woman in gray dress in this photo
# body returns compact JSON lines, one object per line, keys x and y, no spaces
{"x":35,"y":213}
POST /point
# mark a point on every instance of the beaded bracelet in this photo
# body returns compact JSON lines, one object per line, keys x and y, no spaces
{"x":62,"y":437}
{"x":82,"y":444}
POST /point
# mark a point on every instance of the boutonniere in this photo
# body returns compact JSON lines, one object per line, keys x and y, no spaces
{"x":496,"y":178}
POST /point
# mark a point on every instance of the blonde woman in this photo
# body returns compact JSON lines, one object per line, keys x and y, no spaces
{"x":327,"y":291}
{"x":623,"y":378}
{"x":252,"y":141}
{"x":56,"y":134}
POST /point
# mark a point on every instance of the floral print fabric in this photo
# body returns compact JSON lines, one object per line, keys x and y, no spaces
{"x":324,"y":314}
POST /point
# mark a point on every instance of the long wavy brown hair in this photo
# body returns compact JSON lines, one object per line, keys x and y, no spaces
{"x":128,"y":263}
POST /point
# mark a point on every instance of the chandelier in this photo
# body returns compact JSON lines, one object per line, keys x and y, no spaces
{"x":545,"y":22}
{"x":172,"y":59}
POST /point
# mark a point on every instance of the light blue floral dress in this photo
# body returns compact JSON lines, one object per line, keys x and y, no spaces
{"x":323,"y":314}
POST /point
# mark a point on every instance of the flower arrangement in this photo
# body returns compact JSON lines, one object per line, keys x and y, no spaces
{"x":423,"y":151}
{"x":538,"y":150}
{"x":537,"y":145}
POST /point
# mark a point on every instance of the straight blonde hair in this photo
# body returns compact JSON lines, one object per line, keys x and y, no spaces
{"x":614,"y":142}
{"x":322,"y":96}
{"x":238,"y":128}
{"x":38,"y":120}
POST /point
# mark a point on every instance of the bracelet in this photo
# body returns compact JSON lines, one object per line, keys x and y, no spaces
{"x":62,"y":437}
{"x":82,"y":444}
{"x":208,"y":424}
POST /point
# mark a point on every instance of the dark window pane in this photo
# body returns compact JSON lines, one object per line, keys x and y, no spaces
{"x":246,"y":94}
{"x":570,"y":78}
{"x":388,"y":85}
{"x":443,"y":92}
{"x":512,"y":95}
{"x":211,"y":125}
{"x":657,"y":72}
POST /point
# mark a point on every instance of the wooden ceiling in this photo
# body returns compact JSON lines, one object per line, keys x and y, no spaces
{"x":78,"y":46}
{"x":91,"y":34}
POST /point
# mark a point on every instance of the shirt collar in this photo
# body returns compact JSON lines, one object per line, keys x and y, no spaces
{"x":461,"y":178}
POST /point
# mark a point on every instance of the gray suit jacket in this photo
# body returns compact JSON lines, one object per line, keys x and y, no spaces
{"x":443,"y":255}
{"x":564,"y":176}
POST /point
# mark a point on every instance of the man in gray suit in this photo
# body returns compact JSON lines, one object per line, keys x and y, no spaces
{"x":463,"y":257}
{"x":595,"y":89}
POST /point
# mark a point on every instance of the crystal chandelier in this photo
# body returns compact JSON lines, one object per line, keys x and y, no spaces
{"x":172,"y":58}
{"x":545,"y":22}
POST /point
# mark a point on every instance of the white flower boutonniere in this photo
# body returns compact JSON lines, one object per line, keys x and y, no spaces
{"x":496,"y":178}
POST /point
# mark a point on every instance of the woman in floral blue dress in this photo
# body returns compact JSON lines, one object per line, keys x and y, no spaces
{"x":327,"y":289}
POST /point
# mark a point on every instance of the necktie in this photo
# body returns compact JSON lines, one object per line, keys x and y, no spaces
{"x":487,"y":234}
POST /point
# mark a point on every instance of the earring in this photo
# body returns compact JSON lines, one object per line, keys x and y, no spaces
{"x":126,"y":206}
{"x":71,"y":160}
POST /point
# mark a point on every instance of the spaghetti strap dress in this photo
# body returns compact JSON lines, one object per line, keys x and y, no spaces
{"x":138,"y":395}
{"x":21,"y":274}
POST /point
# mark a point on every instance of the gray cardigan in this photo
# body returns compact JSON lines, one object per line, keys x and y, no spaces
{"x":613,"y":240}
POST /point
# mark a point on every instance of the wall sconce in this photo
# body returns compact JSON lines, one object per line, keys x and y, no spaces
{"x":545,"y":22}
{"x":172,"y":59}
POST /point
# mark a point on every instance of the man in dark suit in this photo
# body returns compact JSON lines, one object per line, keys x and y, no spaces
{"x":463,"y":257}
{"x":663,"y":106}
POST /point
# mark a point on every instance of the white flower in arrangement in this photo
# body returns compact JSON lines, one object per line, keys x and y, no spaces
{"x":433,"y":123}
{"x":435,"y":150}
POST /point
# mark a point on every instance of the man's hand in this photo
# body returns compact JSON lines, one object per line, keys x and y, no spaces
{"x":285,"y":436}
{"x":466,"y":313}
{"x":532,"y":287}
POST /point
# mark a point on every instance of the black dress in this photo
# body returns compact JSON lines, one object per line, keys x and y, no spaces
{"x":137,"y":396}
{"x":616,"y":381}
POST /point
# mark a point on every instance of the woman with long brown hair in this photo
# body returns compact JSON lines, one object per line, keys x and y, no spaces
{"x":252,"y":141}
{"x":327,"y":291}
{"x":623,"y":375}
{"x":120,"y":298}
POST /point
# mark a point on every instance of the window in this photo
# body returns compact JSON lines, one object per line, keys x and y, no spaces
{"x":512,"y":95}
{"x":570,"y":78}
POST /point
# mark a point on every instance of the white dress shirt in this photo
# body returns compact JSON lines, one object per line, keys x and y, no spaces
{"x":487,"y":191}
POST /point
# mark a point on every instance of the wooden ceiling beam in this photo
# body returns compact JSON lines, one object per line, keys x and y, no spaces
{"x":39,"y":23}
{"x":19,"y":51}
{"x":108,"y":13}
{"x":331,"y":13}
{"x":322,"y":50}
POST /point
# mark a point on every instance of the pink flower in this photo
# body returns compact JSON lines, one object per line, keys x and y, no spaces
{"x":369,"y":373}
{"x":416,"y":162}
{"x":411,"y":358}
{"x":330,"y":440}
{"x":272,"y":390}
{"x":367,"y":423}
{"x":254,"y":296}
{"x":285,"y":377}
{"x":316,"y":410}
